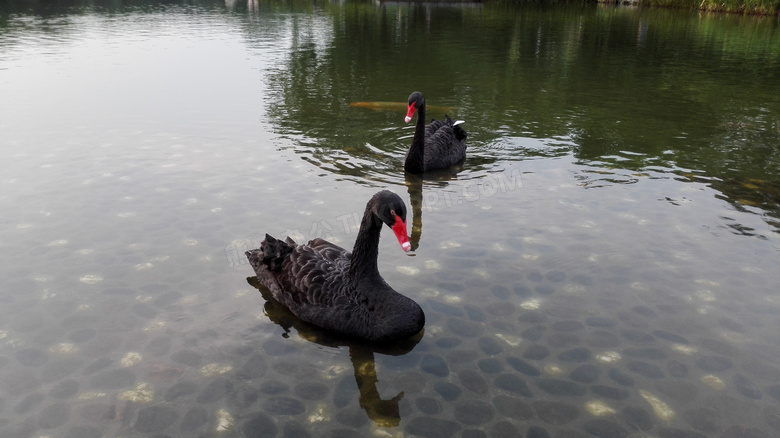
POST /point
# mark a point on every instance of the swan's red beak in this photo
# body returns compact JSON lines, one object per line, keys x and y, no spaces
{"x":399,"y":228}
{"x":410,"y":112}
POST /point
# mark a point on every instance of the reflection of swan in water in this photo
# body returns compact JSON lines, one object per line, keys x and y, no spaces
{"x":383,"y":412}
{"x":414,"y":186}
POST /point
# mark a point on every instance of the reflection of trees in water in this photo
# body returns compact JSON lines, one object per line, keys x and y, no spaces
{"x":604,"y":82}
{"x":737,"y":158}
{"x":383,"y":412}
{"x":623,"y":91}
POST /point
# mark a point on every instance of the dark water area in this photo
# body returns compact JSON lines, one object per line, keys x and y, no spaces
{"x":604,"y":263}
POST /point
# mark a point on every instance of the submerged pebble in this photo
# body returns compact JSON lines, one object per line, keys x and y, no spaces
{"x":407,"y":270}
{"x":513,"y":341}
{"x":435,"y":365}
{"x":585,"y":374}
{"x":684,"y":349}
{"x":282,"y":405}
{"x":514,"y":384}
{"x":63,"y":348}
{"x":556,"y":413}
{"x":576,"y":355}
{"x":141,"y":393}
{"x":536,"y":352}
{"x":602,"y":339}
{"x":560,"y":340}
{"x":636,"y":418}
{"x":644,"y":353}
{"x":713,"y":364}
{"x":259,"y":425}
{"x":610,"y":392}
{"x":130,"y":359}
{"x":661,"y":409}
{"x":352,"y":417}
{"x":504,"y":429}
{"x":703,"y":419}
{"x":225,"y":421}
{"x":513,"y":407}
{"x":537,"y":432}
{"x":180,"y":389}
{"x":28,"y":403}
{"x":774,"y":392}
{"x":194,"y":418}
{"x":747,"y":388}
{"x":608,"y":357}
{"x":464,"y":328}
{"x":473,"y":381}
{"x":677,"y":369}
{"x":713,"y":381}
{"x":215,"y":390}
{"x":91,"y":279}
{"x":428,"y":405}
{"x":432,"y":427}
{"x":599,"y":321}
{"x":645,"y":369}
{"x":490,"y":365}
{"x":311,"y":390}
{"x":474,"y":412}
{"x":489,"y":346}
{"x":669,"y":336}
{"x":447,"y":390}
{"x":523,"y":367}
{"x":532,"y":304}
{"x":553,"y":369}
{"x":534,"y":333}
{"x":215,"y":369}
{"x":598,"y":408}
{"x":637,"y":337}
{"x":560,"y":387}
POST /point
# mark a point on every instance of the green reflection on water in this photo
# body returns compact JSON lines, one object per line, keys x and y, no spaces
{"x":668,"y":90}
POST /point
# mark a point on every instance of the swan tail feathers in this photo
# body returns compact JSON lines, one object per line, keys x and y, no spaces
{"x":459,"y":132}
{"x":271,"y":254}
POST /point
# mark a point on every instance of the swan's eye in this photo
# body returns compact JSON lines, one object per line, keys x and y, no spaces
{"x":392,"y":213}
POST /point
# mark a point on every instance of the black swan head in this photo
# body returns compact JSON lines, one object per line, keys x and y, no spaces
{"x":388,"y":207}
{"x":416,"y":101}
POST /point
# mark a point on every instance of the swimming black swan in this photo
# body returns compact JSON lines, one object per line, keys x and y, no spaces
{"x":325,"y":285}
{"x":436,"y":146}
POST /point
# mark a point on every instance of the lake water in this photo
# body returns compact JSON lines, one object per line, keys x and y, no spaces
{"x":604,"y":264}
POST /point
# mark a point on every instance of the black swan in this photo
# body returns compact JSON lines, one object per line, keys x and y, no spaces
{"x":325,"y":285}
{"x":436,"y":146}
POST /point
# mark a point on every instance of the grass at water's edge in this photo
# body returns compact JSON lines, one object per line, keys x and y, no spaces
{"x":762,"y":7}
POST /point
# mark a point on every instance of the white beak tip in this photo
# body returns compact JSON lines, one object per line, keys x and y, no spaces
{"x":407,"y":119}
{"x":406,"y":246}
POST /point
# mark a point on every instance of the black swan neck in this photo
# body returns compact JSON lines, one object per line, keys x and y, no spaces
{"x":363,"y":261}
{"x":415,"y":159}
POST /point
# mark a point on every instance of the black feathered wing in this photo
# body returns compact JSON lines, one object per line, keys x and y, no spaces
{"x":445,"y":144}
{"x":311,"y":280}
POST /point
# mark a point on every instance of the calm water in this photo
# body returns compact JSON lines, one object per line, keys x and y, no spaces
{"x":605,"y":264}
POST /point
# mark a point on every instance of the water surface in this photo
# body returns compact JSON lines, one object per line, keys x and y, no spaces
{"x":604,"y":264}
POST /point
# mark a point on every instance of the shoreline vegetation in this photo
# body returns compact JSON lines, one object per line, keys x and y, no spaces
{"x":747,"y":7}
{"x":744,"y":7}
